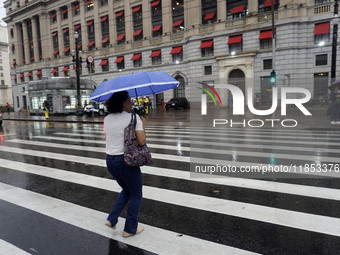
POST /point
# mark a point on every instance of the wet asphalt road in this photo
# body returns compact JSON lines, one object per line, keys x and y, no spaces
{"x":267,"y":214}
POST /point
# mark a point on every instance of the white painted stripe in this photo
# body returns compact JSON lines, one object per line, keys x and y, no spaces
{"x":10,"y":249}
{"x":232,"y":153}
{"x":178,"y":144}
{"x":301,"y":190}
{"x":152,"y":239}
{"x":314,"y":142}
{"x":305,"y":221}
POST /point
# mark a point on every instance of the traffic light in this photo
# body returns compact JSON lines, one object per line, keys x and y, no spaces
{"x":273,"y":77}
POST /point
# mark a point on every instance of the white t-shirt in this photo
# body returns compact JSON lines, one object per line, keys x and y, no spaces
{"x":114,"y":125}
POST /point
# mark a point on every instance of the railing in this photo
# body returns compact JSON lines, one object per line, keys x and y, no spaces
{"x":322,"y":9}
{"x":266,"y":16}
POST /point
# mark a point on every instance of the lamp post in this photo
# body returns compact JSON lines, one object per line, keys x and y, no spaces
{"x":76,"y":55}
{"x":273,"y":73}
{"x":335,"y":40}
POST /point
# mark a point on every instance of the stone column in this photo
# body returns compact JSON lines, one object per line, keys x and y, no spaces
{"x":26,"y":42}
{"x":222,"y":10}
{"x":35,"y":39}
{"x":46,"y":36}
{"x":112,"y":24}
{"x":192,"y":13}
{"x":129,"y":20}
{"x":97,"y":26}
{"x":18,"y":40}
{"x":253,"y":6}
{"x":83,"y":23}
{"x":166,"y":16}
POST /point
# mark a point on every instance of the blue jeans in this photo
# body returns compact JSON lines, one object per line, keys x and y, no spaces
{"x":334,"y":111}
{"x":130,"y":179}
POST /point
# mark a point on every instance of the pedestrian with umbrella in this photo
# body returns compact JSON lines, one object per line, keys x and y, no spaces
{"x":334,"y":102}
{"x":117,"y":94}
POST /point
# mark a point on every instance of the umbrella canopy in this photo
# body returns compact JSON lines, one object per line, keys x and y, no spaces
{"x":136,"y":84}
{"x":334,"y":85}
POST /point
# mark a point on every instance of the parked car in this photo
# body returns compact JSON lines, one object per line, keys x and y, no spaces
{"x":99,"y":109}
{"x":0,"y":118}
{"x":177,"y":103}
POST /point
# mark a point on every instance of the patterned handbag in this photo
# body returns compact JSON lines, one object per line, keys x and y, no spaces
{"x":135,"y":155}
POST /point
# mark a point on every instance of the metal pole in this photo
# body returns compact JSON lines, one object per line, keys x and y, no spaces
{"x":274,"y":37}
{"x":335,"y":40}
{"x":78,"y":78}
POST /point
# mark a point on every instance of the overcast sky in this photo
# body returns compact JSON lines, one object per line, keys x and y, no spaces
{"x":2,"y":12}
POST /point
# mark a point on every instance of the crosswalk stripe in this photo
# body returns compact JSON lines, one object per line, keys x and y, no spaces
{"x":153,"y":239}
{"x":286,"y":188}
{"x":315,"y":142}
{"x":194,"y":160}
{"x":225,"y":145}
{"x":8,"y":249}
{"x":304,"y":221}
{"x":201,"y":150}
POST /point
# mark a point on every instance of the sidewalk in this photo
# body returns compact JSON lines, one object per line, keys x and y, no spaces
{"x":318,"y":120}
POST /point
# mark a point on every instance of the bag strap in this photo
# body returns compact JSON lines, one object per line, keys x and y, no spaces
{"x":134,"y":119}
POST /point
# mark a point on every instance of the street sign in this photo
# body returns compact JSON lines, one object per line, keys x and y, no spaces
{"x":90,"y":59}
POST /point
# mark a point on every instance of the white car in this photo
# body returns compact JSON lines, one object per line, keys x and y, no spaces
{"x":99,"y":109}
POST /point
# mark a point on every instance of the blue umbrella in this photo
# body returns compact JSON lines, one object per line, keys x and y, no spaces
{"x":136,"y":84}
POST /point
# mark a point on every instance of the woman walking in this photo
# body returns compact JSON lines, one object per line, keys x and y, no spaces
{"x":129,"y":178}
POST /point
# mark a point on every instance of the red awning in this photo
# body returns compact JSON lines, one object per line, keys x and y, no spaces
{"x":91,"y":44}
{"x":75,"y":7}
{"x":53,"y":15}
{"x":31,"y":41}
{"x":155,"y":53}
{"x":321,"y":29}
{"x":32,"y":58}
{"x":206,"y":44}
{"x":55,"y":52}
{"x":89,"y":23}
{"x":136,"y":56}
{"x":21,"y":75}
{"x":55,"y":70}
{"x":155,"y":3}
{"x":89,"y":2}
{"x":119,"y":59}
{"x":268,"y":3}
{"x":14,"y":62}
{"x":176,"y":50}
{"x":209,"y":15}
{"x":66,"y":49}
{"x":55,"y":33}
{"x":64,"y":11}
{"x":80,"y":45}
{"x":103,"y":62}
{"x":77,"y":27}
{"x":65,"y":30}
{"x":105,"y":40}
{"x":118,"y":14}
{"x":65,"y":68}
{"x":38,"y":72}
{"x":238,"y":9}
{"x":137,"y":32}
{"x":235,"y":39}
{"x":29,"y":74}
{"x":266,"y":34}
{"x":156,"y":28}
{"x":120,"y":37}
{"x":177,"y":23}
{"x":136,"y":9}
{"x":14,"y":77}
{"x":103,"y":18}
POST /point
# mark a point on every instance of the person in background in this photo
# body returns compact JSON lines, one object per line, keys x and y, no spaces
{"x":129,"y":178}
{"x":8,"y":107}
{"x":46,"y":107}
{"x":163,"y":104}
{"x":334,"y":105}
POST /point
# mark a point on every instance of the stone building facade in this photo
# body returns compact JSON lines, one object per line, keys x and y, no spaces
{"x":5,"y":78}
{"x":192,"y":40}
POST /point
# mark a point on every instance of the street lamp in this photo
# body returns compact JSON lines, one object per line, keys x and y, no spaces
{"x":335,"y":40}
{"x":76,"y":57}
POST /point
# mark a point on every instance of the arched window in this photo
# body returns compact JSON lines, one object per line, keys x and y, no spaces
{"x":180,"y":90}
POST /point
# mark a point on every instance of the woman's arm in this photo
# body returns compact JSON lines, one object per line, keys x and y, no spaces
{"x":141,"y":134}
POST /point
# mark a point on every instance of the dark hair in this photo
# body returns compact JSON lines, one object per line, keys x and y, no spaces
{"x":115,"y":103}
